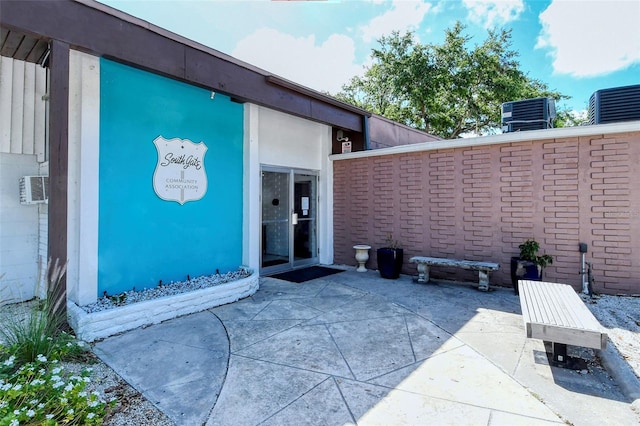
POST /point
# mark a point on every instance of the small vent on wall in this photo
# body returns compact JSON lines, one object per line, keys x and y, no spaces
{"x":34,"y":189}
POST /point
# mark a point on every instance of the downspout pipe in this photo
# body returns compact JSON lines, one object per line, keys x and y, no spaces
{"x":365,"y":132}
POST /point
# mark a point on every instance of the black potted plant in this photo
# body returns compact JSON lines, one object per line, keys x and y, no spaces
{"x":529,"y":265}
{"x":390,"y":259}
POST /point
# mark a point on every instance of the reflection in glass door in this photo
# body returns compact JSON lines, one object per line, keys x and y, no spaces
{"x":275,"y":219}
{"x":289,"y":219}
{"x":305,"y":248}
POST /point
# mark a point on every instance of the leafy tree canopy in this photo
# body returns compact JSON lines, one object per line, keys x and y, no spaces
{"x":448,"y":89}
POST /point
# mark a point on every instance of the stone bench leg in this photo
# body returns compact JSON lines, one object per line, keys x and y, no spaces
{"x":483,"y":282}
{"x":423,"y":273}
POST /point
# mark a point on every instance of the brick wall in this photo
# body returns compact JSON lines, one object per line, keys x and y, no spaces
{"x":481,"y":202}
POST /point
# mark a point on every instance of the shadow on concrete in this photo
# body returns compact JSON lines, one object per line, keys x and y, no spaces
{"x":353,"y":348}
{"x":357,"y":348}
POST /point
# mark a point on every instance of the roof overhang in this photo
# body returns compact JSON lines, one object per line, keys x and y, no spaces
{"x":23,"y":46}
{"x":28,"y":27}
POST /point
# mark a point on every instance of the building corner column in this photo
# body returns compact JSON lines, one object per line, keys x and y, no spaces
{"x":58,"y":168}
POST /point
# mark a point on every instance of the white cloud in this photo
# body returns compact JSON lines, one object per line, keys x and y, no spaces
{"x":591,"y":38}
{"x":403,"y":16}
{"x":323,"y":67}
{"x":493,"y":13}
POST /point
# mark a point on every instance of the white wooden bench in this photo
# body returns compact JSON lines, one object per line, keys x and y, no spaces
{"x":555,"y":313}
{"x":483,"y":268}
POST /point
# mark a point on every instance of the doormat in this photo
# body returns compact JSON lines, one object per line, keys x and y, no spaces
{"x":306,"y":274}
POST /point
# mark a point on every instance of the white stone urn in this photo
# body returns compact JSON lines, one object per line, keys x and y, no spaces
{"x":362,"y":255}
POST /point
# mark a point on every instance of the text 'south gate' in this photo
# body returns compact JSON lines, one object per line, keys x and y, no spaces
{"x":180,"y":175}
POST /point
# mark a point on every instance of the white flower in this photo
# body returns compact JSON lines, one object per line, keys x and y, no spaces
{"x":41,"y":358}
{"x":82,"y":394}
{"x":16,"y":412}
{"x":49,"y":416}
{"x":70,"y":411}
{"x":9,"y":362}
{"x":6,"y":387}
{"x":56,"y":385}
{"x":41,"y":406}
{"x":31,"y":413}
{"x":14,"y":422}
{"x":90,"y":415}
{"x":68,"y":387}
{"x":37,"y":382}
{"x":86,"y":379}
{"x":3,"y":404}
{"x":64,"y":400}
{"x":93,"y":404}
{"x":56,"y":370}
{"x":17,"y":386}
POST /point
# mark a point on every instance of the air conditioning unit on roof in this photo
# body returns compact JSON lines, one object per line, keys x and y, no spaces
{"x":615,"y":104}
{"x":34,"y":189}
{"x":528,"y":114}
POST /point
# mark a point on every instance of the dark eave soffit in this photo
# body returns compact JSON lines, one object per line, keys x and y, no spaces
{"x":91,"y":27}
{"x":22,"y":46}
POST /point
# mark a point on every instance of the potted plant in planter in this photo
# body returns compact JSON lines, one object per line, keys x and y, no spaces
{"x":390,"y":259}
{"x":529,"y":265}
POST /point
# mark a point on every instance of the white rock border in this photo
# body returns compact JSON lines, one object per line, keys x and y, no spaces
{"x":99,"y":325}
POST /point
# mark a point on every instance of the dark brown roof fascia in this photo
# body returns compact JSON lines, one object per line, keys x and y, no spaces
{"x":97,"y":29}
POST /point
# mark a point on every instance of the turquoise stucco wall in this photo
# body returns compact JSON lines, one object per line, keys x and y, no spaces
{"x":142,"y":238}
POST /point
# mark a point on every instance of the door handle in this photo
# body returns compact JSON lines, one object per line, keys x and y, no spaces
{"x":294,"y":218}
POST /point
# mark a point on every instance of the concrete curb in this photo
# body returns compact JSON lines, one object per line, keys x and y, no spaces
{"x":622,"y":373}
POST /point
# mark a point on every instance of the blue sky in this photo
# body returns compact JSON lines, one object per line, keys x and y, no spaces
{"x":575,"y":46}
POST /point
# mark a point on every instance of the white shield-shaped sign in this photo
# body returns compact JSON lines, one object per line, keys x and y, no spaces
{"x":180,"y":174}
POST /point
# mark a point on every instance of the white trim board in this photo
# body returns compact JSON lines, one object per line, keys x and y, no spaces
{"x":513,"y":137}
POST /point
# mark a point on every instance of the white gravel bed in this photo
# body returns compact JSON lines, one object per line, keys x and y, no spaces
{"x":162,"y":290}
{"x":131,"y":408}
{"x":620,"y":315}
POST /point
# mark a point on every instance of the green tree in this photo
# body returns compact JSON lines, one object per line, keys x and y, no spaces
{"x":448,"y":89}
{"x":567,"y":117}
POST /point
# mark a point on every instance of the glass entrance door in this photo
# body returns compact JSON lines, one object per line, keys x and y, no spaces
{"x":305,"y":246}
{"x":289,"y":219}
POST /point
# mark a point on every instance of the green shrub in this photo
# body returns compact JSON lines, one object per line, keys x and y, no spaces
{"x":529,"y":251}
{"x":37,"y":330}
{"x":29,"y":334}
{"x":40,"y":392}
{"x":34,"y":388}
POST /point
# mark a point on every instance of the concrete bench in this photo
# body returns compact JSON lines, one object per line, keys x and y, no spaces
{"x":555,"y":313}
{"x":483,"y":268}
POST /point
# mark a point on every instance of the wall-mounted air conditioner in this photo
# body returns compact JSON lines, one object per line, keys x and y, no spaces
{"x":614,"y":105}
{"x":528,"y":114}
{"x":34,"y":189}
